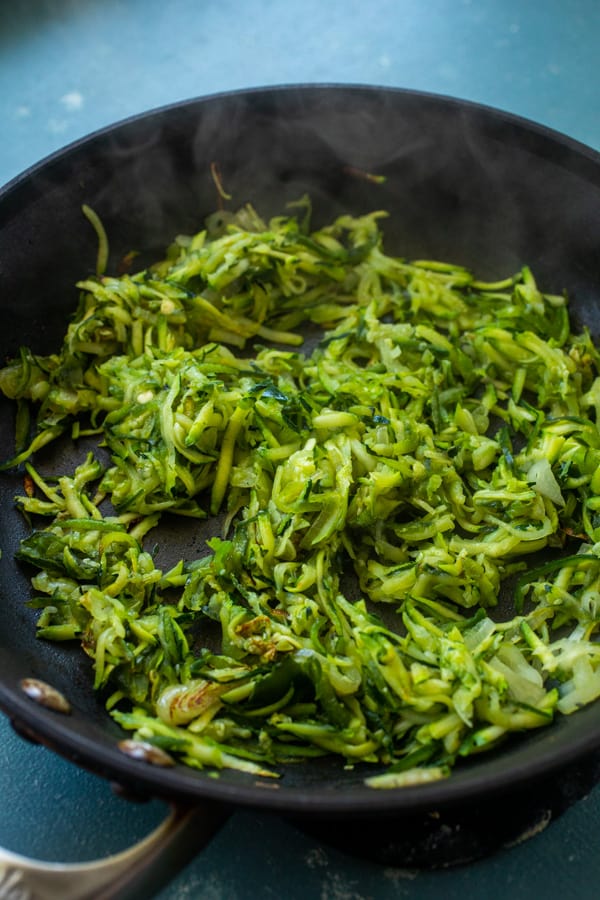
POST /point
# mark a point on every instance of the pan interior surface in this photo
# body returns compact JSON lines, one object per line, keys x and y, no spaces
{"x":461,"y":183}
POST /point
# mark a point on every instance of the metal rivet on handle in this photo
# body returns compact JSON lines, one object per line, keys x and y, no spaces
{"x":146,"y":752}
{"x":44,"y":694}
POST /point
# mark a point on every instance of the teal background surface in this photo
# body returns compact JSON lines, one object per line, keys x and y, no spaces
{"x":69,"y":67}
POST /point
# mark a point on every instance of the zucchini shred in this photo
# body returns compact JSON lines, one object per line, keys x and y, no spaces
{"x":434,"y":437}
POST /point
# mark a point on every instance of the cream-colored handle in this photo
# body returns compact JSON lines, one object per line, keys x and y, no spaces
{"x":138,"y":872}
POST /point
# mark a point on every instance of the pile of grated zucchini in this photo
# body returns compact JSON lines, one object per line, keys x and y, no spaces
{"x":440,"y":432}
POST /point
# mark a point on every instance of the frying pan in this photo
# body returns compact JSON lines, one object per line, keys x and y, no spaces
{"x":462,"y":182}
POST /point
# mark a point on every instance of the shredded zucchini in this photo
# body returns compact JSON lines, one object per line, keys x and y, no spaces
{"x":440,"y":433}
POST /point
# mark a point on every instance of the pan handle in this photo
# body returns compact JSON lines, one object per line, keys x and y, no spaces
{"x":136,"y":873}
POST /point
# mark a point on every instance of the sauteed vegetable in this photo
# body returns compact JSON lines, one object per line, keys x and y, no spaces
{"x":377,"y":496}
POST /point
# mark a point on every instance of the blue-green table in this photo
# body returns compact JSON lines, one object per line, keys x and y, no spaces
{"x":68,"y":67}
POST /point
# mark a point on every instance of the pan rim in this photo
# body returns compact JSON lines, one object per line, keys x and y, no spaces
{"x":181,"y":784}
